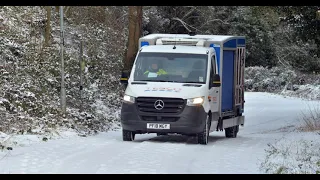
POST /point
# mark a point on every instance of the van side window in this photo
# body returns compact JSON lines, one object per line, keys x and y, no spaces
{"x":213,"y":68}
{"x":213,"y":60}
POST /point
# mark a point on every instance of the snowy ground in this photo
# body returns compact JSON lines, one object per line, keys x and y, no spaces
{"x":269,"y":118}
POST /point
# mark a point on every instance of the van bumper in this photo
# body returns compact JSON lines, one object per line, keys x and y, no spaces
{"x":189,"y":121}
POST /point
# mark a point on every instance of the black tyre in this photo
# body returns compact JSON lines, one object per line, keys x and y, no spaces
{"x":231,"y":132}
{"x":203,"y":137}
{"x":128,"y":135}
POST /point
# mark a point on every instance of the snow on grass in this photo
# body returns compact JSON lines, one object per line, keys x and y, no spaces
{"x":296,"y":153}
{"x":282,"y":81}
{"x":30,"y":74}
{"x":16,"y":140}
{"x":308,"y":91}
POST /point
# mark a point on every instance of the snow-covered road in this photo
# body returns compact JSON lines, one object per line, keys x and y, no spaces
{"x":268,"y":118}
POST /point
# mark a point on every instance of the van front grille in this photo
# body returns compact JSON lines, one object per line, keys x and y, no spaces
{"x":165,"y":105}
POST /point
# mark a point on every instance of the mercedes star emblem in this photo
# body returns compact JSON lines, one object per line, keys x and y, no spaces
{"x":159,"y":104}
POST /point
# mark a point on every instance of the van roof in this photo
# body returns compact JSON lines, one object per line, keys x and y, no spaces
{"x":218,"y":38}
{"x":178,"y":49}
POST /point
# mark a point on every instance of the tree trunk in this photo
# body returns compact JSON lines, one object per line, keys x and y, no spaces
{"x":317,"y":39}
{"x":135,"y":22}
{"x":48,"y":26}
{"x":138,"y":26}
{"x":57,"y":9}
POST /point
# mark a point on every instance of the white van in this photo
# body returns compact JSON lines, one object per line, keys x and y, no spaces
{"x":190,"y":85}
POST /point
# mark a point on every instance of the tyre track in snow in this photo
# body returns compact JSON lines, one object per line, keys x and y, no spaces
{"x":141,"y":159}
{"x":219,"y":156}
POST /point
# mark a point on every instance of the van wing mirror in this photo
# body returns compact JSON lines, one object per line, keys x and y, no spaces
{"x":216,"y":81}
{"x":124,"y":77}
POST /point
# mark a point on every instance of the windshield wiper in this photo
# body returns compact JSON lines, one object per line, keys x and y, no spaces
{"x":192,"y":82}
{"x":156,"y":80}
{"x":166,"y":81}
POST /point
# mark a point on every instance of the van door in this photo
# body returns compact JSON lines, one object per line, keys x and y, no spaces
{"x":213,"y":91}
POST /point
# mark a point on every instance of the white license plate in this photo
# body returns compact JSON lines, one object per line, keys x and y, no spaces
{"x":158,"y":126}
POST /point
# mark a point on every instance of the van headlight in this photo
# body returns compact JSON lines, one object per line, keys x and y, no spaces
{"x":195,"y":101}
{"x":128,"y":99}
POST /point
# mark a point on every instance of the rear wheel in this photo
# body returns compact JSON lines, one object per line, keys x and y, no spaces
{"x":203,"y":137}
{"x":231,"y":132}
{"x":128,"y":135}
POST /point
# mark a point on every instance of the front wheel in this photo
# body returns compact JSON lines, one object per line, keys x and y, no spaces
{"x":128,"y":135}
{"x":203,"y":137}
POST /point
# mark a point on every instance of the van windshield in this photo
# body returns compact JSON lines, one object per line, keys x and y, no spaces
{"x":171,"y":67}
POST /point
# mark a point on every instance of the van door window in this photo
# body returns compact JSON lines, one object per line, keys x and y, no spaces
{"x":212,"y":70}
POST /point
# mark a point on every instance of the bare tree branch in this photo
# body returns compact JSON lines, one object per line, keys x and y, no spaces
{"x":182,"y":22}
{"x":193,"y":27}
{"x":192,"y":17}
{"x":286,"y":64}
{"x":188,"y":13}
{"x":213,"y":20}
{"x":185,"y":24}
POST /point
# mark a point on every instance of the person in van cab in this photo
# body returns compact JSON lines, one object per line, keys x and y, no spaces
{"x":154,"y":69}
